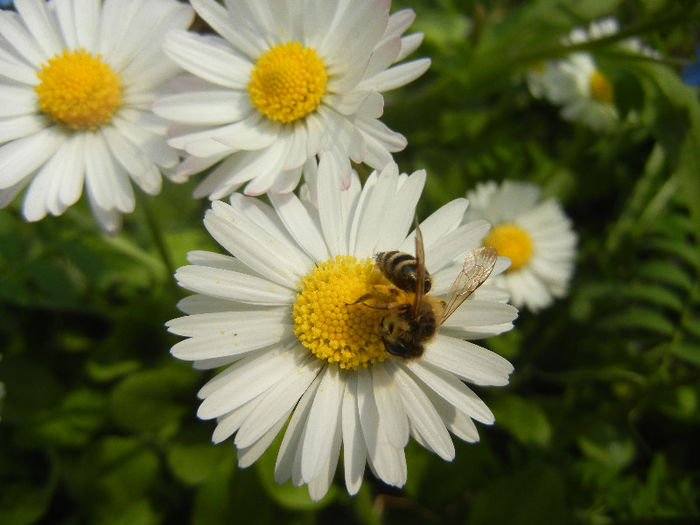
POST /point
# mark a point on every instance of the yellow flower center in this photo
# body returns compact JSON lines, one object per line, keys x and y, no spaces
{"x":287,"y":82}
{"x":511,"y":241}
{"x":327,"y":324}
{"x":601,"y":88}
{"x":79,"y":90}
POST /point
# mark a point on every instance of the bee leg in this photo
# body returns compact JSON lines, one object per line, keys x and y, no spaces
{"x":360,"y":300}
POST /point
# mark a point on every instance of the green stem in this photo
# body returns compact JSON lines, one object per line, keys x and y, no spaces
{"x":157,"y":236}
{"x":119,"y":243}
{"x":652,"y":24}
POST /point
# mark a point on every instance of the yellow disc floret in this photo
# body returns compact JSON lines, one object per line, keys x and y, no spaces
{"x":78,"y":90}
{"x":327,"y":323}
{"x":511,"y":241}
{"x":601,"y":88}
{"x":287,"y":82}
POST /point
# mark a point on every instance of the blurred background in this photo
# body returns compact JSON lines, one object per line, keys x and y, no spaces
{"x":601,"y":421}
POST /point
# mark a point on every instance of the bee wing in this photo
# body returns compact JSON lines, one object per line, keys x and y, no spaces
{"x":478,"y":265}
{"x":420,"y":270}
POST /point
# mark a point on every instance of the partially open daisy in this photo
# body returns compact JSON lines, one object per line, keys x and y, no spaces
{"x":286,"y":314}
{"x":77,"y":81}
{"x":285,"y":81}
{"x":534,"y":234}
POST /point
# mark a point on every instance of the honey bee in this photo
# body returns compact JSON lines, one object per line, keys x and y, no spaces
{"x":413,"y":317}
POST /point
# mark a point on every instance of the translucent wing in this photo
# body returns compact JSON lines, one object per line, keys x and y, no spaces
{"x":478,"y":265}
{"x":420,"y":270}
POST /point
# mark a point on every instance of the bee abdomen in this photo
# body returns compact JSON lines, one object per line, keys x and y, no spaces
{"x":400,"y":269}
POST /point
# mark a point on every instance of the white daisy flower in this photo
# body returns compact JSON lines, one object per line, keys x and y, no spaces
{"x":285,"y":81}
{"x":535,"y":235}
{"x":289,"y":315}
{"x":575,"y":82}
{"x":77,"y":82}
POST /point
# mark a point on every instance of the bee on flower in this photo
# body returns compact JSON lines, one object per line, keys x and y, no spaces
{"x":335,"y":320}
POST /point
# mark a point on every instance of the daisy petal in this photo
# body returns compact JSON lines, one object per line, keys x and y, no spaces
{"x":468,"y":361}
{"x":324,"y":413}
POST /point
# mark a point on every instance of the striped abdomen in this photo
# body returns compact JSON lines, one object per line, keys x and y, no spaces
{"x":400,"y":269}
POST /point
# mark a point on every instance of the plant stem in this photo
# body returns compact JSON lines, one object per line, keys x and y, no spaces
{"x":157,"y":236}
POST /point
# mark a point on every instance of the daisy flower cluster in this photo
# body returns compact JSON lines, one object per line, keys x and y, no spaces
{"x":311,"y":312}
{"x":585,"y":93}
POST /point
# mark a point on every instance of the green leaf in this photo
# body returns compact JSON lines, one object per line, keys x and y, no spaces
{"x":613,"y":454}
{"x":213,"y":501}
{"x":524,"y":419}
{"x":73,"y":423}
{"x":194,"y":463}
{"x":533,"y":494}
{"x":150,"y":399}
{"x":22,"y":503}
{"x":666,"y":272}
{"x":637,"y":318}
{"x":139,"y":512}
{"x":689,"y":353}
{"x":651,"y":293}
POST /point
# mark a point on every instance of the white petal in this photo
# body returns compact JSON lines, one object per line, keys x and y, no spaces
{"x":234,"y":286}
{"x":422,"y":414}
{"x":21,"y":157}
{"x":452,"y":390}
{"x":22,"y":41}
{"x":241,"y":37}
{"x":229,"y":423}
{"x":354,"y":448}
{"x":234,"y":341}
{"x":397,"y":76}
{"x":58,"y":184}
{"x":300,"y":225}
{"x":468,"y":361}
{"x":318,"y":487}
{"x":321,"y":423}
{"x":150,"y":143}
{"x":41,"y":24}
{"x":245,"y":380}
{"x":371,"y":210}
{"x":268,"y":255}
{"x":248,"y":456}
{"x":387,"y":461}
{"x":136,"y":163}
{"x":443,"y":221}
{"x":278,"y":401}
{"x":333,"y":222}
{"x":294,"y":433}
{"x":88,"y":27}
{"x":389,"y":407}
{"x":202,"y":57}
{"x":212,"y":107}
{"x":459,"y":424}
{"x":108,"y":183}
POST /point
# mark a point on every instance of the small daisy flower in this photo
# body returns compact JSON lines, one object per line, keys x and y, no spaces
{"x":284,"y":82}
{"x":287,"y":313}
{"x":576,"y":83}
{"x":77,"y":83}
{"x":535,"y":235}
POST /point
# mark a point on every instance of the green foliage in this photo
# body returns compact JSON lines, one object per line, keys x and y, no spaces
{"x":98,"y":422}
